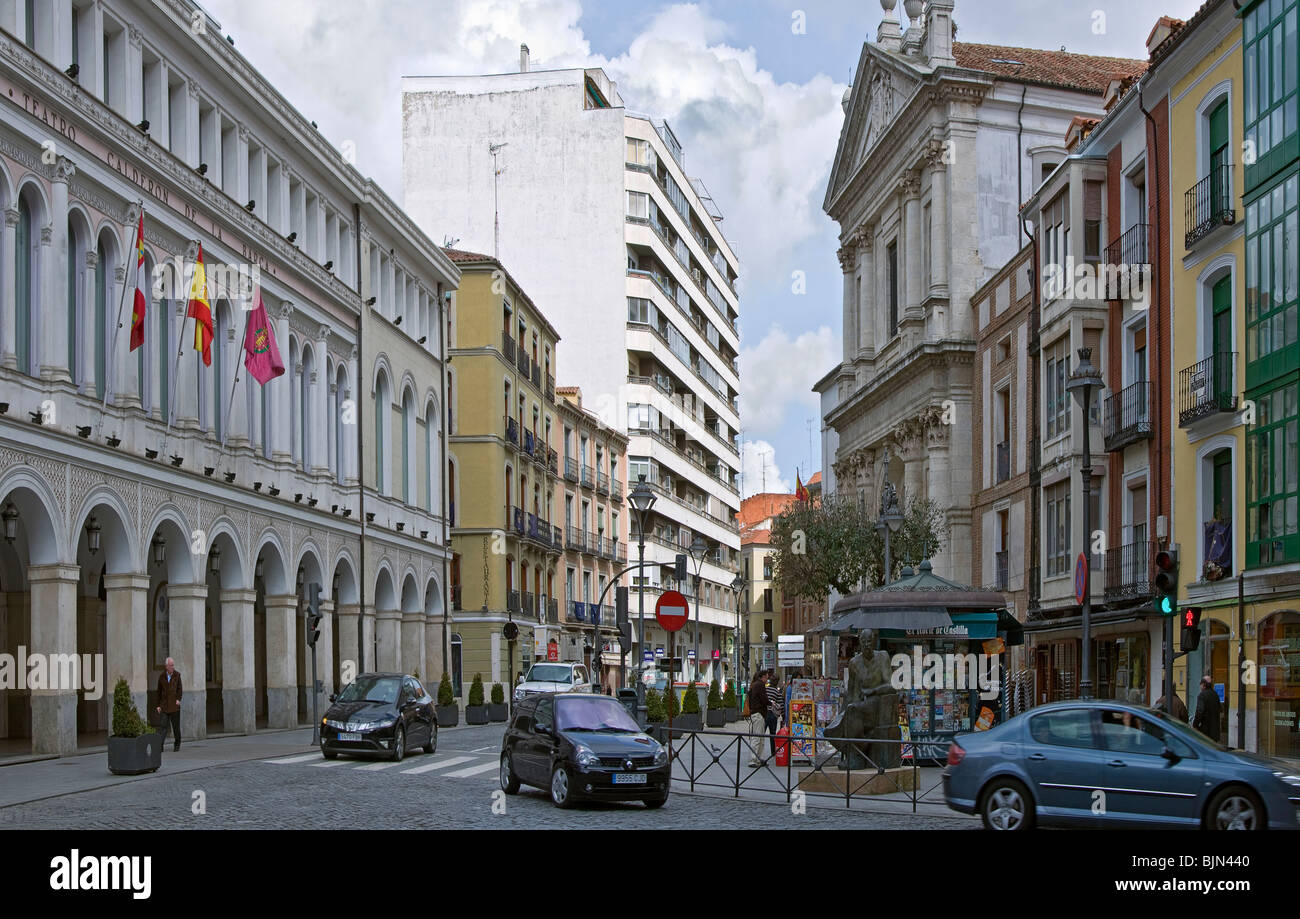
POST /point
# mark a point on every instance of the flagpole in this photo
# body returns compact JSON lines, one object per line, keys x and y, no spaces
{"x":225,"y":424}
{"x":121,"y":303}
{"x":180,"y":348}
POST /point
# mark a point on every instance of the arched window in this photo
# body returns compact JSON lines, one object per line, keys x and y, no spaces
{"x":432,"y":460}
{"x":266,"y":420}
{"x":163,"y":354}
{"x":76,"y":259}
{"x":408,"y":446}
{"x":304,"y":407}
{"x":219,"y":331}
{"x":340,"y":440}
{"x":24,"y":278}
{"x":102,"y":312}
{"x":143,"y":363}
{"x":383,"y":410}
{"x":295,"y":406}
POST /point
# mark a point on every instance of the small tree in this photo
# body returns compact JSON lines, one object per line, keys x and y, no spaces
{"x":126,"y":718}
{"x":498,"y":694}
{"x":672,"y":706}
{"x":691,"y":700}
{"x":445,"y":694}
{"x":715,"y":695}
{"x":654,"y":707}
{"x":729,"y":699}
{"x":476,"y":690}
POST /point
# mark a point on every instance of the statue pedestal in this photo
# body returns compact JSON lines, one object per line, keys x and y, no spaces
{"x":833,"y":781}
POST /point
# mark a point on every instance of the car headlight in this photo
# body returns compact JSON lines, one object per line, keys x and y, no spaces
{"x":337,"y":725}
{"x":587,"y":758}
{"x":1292,"y":780}
{"x":380,"y":723}
{"x":661,"y":757}
{"x":519,"y":693}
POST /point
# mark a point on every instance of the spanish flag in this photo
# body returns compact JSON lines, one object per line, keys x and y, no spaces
{"x":201,"y":312}
{"x":138,"y":305}
{"x":800,"y":490}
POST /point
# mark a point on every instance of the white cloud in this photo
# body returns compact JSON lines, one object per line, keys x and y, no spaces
{"x":759,"y":472}
{"x":777,"y":376}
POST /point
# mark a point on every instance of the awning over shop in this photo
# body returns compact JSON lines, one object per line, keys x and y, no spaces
{"x":857,"y":620}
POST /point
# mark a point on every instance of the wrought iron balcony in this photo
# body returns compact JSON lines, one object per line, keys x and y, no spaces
{"x":1131,"y":247}
{"x":1130,"y":571}
{"x":537,"y":375}
{"x":1128,"y":416}
{"x":508,"y":347}
{"x":1207,"y":388}
{"x":1000,"y":560}
{"x":553,"y":461}
{"x":550,"y":388}
{"x":575,"y":539}
{"x":512,"y":601}
{"x":571,"y":469}
{"x":588,"y":476}
{"x":527,"y":608}
{"x":1208,"y":205}
{"x":602,"y":482}
{"x":552,"y":611}
{"x":519,"y":520}
{"x":522,"y":362}
{"x":1003,"y":462}
{"x":512,"y":431}
{"x":616,"y":490}
{"x":529,"y":443}
{"x":577,"y":611}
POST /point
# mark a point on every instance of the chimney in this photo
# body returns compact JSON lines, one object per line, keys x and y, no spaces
{"x":936,"y":43}
{"x":523,"y":58}
{"x":1164,"y":27}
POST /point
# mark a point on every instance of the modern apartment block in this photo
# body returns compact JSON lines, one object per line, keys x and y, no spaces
{"x":592,"y":207}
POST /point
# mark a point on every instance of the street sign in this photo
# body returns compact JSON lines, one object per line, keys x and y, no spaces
{"x":648,"y":656}
{"x":671,"y":610}
{"x":690,"y":654}
{"x":659,"y":652}
{"x":1081,"y":578}
{"x":789,"y":642}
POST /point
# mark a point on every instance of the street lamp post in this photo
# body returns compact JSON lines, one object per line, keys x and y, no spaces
{"x":736,"y":587}
{"x":890,"y":518}
{"x":1085,"y":379}
{"x":699,"y":548}
{"x":642,"y":500}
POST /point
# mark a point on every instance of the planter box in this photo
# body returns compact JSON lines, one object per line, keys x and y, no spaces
{"x":498,"y":713}
{"x":732,"y":715}
{"x":686,"y":723}
{"x":658,"y":730}
{"x":135,"y":755}
{"x":476,"y":714}
{"x":448,"y":716}
{"x":715,"y":718}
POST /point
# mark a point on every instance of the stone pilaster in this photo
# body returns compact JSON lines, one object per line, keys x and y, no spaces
{"x":282,"y":661}
{"x":187,"y":632}
{"x":238,"y":662}
{"x":128,"y":617}
{"x":54,"y":631}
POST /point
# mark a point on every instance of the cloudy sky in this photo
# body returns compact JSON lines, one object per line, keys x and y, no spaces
{"x":752,"y":88}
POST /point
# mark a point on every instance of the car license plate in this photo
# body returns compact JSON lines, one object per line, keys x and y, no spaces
{"x":349,"y":737}
{"x":630,"y":778}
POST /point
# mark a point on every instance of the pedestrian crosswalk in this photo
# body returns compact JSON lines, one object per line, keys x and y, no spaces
{"x":468,"y":765}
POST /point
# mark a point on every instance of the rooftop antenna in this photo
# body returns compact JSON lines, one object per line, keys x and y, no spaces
{"x":495,"y":150}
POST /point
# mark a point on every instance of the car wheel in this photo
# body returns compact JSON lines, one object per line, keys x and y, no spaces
{"x":399,"y":745}
{"x":1235,"y":808}
{"x":656,"y":803}
{"x":329,"y":754}
{"x":432,"y":746}
{"x":509,"y":784}
{"x":561,"y":793}
{"x":1006,"y":806}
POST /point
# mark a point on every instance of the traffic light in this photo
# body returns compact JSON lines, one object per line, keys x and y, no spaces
{"x":620,"y":610}
{"x":313,"y":614}
{"x":1167,"y":581}
{"x":1191,"y":618}
{"x":681,"y":569}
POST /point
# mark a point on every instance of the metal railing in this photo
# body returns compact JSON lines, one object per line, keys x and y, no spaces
{"x":575,"y":540}
{"x":1128,"y":416}
{"x":1000,"y":560}
{"x":519,"y":520}
{"x":526,"y":607}
{"x":588,"y":476}
{"x":508,"y":347}
{"x":1207,"y":388}
{"x":616,"y":490}
{"x":1130,"y":571}
{"x":571,"y":469}
{"x":550,"y":388}
{"x":552,"y":461}
{"x":512,"y":430}
{"x":529,"y":443}
{"x":1208,"y":204}
{"x":512,"y":601}
{"x":1130,"y":248}
{"x":522,"y":362}
{"x":1003,"y":462}
{"x":537,"y":375}
{"x":602,"y":482}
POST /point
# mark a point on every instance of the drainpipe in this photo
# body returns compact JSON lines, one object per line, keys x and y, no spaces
{"x":444,"y":360}
{"x":361,"y":461}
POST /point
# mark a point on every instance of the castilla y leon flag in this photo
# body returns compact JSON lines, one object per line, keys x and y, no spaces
{"x":261,"y":355}
{"x":137,"y":309}
{"x":200,"y":311}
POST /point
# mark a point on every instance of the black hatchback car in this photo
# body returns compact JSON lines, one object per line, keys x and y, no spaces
{"x":380,"y":713}
{"x":579,"y":745}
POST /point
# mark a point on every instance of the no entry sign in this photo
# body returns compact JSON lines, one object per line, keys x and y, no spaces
{"x":671,"y":610}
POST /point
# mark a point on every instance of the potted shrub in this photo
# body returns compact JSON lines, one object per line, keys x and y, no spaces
{"x":134,"y":747}
{"x":655,"y":713}
{"x":690,"y":717}
{"x":476,"y":711}
{"x":715,"y":717}
{"x":498,"y":711}
{"x":730,"y":705}
{"x":448,"y":713}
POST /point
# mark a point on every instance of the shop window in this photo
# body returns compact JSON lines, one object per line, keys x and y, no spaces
{"x":1279,"y":685}
{"x":1273,"y":479}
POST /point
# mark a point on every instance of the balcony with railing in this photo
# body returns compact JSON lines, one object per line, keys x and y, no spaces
{"x":602,"y":482}
{"x":1128,"y":416}
{"x":1130,"y":248}
{"x":1003,"y":460}
{"x":529,"y":443}
{"x":571,"y":469}
{"x":588,"y":476}
{"x":616,"y":490}
{"x":1208,"y":205}
{"x":574,"y":541}
{"x":512,"y":431}
{"x":508,"y":347}
{"x":552,"y":611}
{"x":537,"y":375}
{"x":522,"y":362}
{"x":519,"y":521}
{"x":527,"y":605}
{"x":550,"y":388}
{"x":1000,"y":572}
{"x":1130,"y":571}
{"x":557,"y":538}
{"x":553,"y":462}
{"x":577,"y":611}
{"x":1207,"y":388}
{"x":512,"y":601}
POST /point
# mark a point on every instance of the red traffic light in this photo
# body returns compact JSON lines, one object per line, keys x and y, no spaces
{"x":1166,"y":571}
{"x":1166,"y":560}
{"x":1192,"y":617}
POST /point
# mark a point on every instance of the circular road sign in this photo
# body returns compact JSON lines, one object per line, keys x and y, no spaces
{"x":1081,"y":578}
{"x":671,"y":610}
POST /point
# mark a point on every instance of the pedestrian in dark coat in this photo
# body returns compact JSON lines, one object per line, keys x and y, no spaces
{"x":170,"y":691}
{"x":1207,"y":710}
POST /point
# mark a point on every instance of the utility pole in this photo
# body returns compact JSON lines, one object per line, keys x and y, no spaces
{"x":495,"y":150}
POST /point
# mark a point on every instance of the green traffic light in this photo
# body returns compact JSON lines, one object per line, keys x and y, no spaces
{"x":1166,"y":606}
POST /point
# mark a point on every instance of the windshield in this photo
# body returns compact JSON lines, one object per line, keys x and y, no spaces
{"x":1185,"y":729}
{"x":594,"y":714}
{"x":371,"y":689}
{"x":549,"y":673}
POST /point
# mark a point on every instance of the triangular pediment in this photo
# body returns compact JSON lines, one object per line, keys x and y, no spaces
{"x":882,"y":86}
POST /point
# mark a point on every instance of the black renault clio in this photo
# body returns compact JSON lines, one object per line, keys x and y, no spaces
{"x":577,"y":746}
{"x":386,"y":713}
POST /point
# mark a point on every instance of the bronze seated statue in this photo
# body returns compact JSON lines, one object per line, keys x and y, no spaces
{"x":870,"y":713}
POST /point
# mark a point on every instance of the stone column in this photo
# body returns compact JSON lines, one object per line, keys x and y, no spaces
{"x":913,"y":292}
{"x":128,"y":391}
{"x":238,"y":661}
{"x":54,"y":282}
{"x":368,"y":629}
{"x":185,"y":373}
{"x":938,"y":220}
{"x":349,"y":649}
{"x":187,"y":633}
{"x":350,"y":430}
{"x":8,"y":295}
{"x":324,"y":656}
{"x":433,"y":655}
{"x":866,"y":293}
{"x":237,"y":429}
{"x":282,"y":662}
{"x":282,"y":392}
{"x":388,"y":625}
{"x":54,"y":632}
{"x":848,"y":264}
{"x":87,"y":332}
{"x":413,"y":643}
{"x":320,"y":406}
{"x":128,"y":637}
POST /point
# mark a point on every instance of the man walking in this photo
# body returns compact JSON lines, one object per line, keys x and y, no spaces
{"x":1207,"y":710}
{"x":169,"y":701}
{"x":760,"y":704}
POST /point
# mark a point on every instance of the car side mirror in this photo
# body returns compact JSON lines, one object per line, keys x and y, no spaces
{"x":333,"y":696}
{"x":1169,"y":754}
